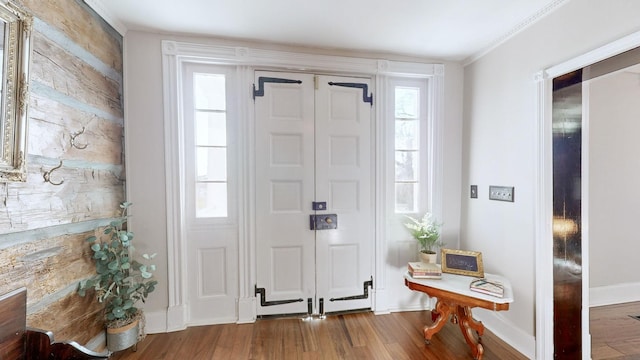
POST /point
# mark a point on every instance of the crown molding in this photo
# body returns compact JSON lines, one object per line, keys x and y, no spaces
{"x":515,"y":31}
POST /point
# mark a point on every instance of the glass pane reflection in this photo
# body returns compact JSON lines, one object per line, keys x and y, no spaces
{"x":211,"y":200}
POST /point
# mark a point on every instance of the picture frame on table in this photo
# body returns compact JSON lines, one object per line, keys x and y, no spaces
{"x":462,"y":262}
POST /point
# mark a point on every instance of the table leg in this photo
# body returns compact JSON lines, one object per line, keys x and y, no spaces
{"x":444,"y":310}
{"x":467,"y":324}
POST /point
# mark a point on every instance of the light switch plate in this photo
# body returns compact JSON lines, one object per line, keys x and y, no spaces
{"x":501,"y":193}
{"x":474,"y":191}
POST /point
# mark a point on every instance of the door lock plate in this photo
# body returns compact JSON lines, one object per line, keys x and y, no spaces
{"x":319,"y":205}
{"x":323,"y":222}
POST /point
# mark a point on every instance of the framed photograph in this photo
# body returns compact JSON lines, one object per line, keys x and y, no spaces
{"x":462,"y":262}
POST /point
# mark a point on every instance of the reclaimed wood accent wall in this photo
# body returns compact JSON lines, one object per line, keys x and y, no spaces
{"x":75,"y":84}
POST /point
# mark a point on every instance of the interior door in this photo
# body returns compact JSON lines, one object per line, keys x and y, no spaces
{"x":313,"y":158}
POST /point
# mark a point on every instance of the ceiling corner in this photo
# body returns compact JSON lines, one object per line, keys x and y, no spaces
{"x":100,"y":9}
{"x":552,"y":6}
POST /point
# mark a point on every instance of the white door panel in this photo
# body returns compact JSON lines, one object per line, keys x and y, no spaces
{"x":213,"y":280}
{"x":284,"y":192}
{"x":343,"y":178}
{"x":312,"y":144}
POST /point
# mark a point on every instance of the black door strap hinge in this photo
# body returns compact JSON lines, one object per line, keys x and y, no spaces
{"x":364,"y":87}
{"x":262,"y":80}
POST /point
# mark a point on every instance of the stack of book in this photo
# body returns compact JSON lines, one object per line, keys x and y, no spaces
{"x":489,"y":287}
{"x":420,"y":270}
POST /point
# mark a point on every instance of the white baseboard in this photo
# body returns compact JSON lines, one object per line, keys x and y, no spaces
{"x":247,"y":310}
{"x":172,"y":319}
{"x":156,"y":322}
{"x":614,"y":294}
{"x":176,"y":318}
{"x":507,"y":332}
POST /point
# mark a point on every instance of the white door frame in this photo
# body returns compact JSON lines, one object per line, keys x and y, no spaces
{"x":174,"y":54}
{"x":544,"y":197}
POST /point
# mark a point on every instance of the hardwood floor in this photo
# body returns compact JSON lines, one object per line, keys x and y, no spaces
{"x":350,"y":336}
{"x":614,"y":334}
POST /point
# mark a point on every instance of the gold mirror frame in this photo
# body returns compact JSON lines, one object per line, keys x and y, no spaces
{"x":15,"y":90}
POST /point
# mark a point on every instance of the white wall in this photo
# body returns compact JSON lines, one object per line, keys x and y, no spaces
{"x":145,"y":151}
{"x":499,"y":134}
{"x":614,"y":176}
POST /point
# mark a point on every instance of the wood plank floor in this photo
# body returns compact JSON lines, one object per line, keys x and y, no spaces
{"x":350,"y":336}
{"x":614,"y":334}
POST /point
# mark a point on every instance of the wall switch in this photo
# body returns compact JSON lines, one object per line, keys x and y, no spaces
{"x":501,"y":193}
{"x":474,"y":191}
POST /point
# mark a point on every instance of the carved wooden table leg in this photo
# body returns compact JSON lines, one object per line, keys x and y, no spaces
{"x":444,"y":310}
{"x":467,"y":324}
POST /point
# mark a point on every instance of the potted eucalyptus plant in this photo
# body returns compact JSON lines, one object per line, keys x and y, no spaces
{"x":426,"y":231}
{"x":120,"y":282}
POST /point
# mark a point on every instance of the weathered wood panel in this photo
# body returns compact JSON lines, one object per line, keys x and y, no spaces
{"x":77,"y":21}
{"x":85,"y":194}
{"x":51,"y":126}
{"x":59,"y":70}
{"x":76,"y":77}
{"x":83,"y":318}
{"x":46,"y":266}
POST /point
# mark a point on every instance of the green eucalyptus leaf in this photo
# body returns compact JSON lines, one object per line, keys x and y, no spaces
{"x":127,"y":304}
{"x":118,"y":312}
{"x":91,"y":238}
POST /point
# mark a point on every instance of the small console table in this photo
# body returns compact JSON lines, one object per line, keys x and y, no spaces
{"x":456,"y":300}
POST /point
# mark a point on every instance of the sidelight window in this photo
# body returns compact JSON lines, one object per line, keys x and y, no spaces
{"x":409,"y":145}
{"x":210,"y":147}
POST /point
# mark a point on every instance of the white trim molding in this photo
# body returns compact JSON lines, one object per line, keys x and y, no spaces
{"x":296,"y":61}
{"x":614,"y":294}
{"x":543,"y":189}
{"x":174,"y":177}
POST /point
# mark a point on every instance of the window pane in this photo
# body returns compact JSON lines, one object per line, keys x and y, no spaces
{"x":407,"y":135}
{"x":211,"y":164}
{"x":211,"y":200}
{"x":407,"y":198}
{"x":211,"y":129}
{"x":406,"y":166}
{"x":407,"y":103}
{"x":209,"y":91}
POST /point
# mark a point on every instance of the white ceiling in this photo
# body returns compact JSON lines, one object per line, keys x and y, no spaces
{"x":435,"y":29}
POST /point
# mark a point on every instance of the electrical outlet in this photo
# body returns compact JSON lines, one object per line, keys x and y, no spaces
{"x":474,"y":191}
{"x":501,"y":193}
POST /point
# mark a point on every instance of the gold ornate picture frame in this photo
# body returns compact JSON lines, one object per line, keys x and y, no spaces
{"x":16,"y":28}
{"x":462,"y":262}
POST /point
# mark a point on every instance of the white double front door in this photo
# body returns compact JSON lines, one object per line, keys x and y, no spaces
{"x":313,"y":145}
